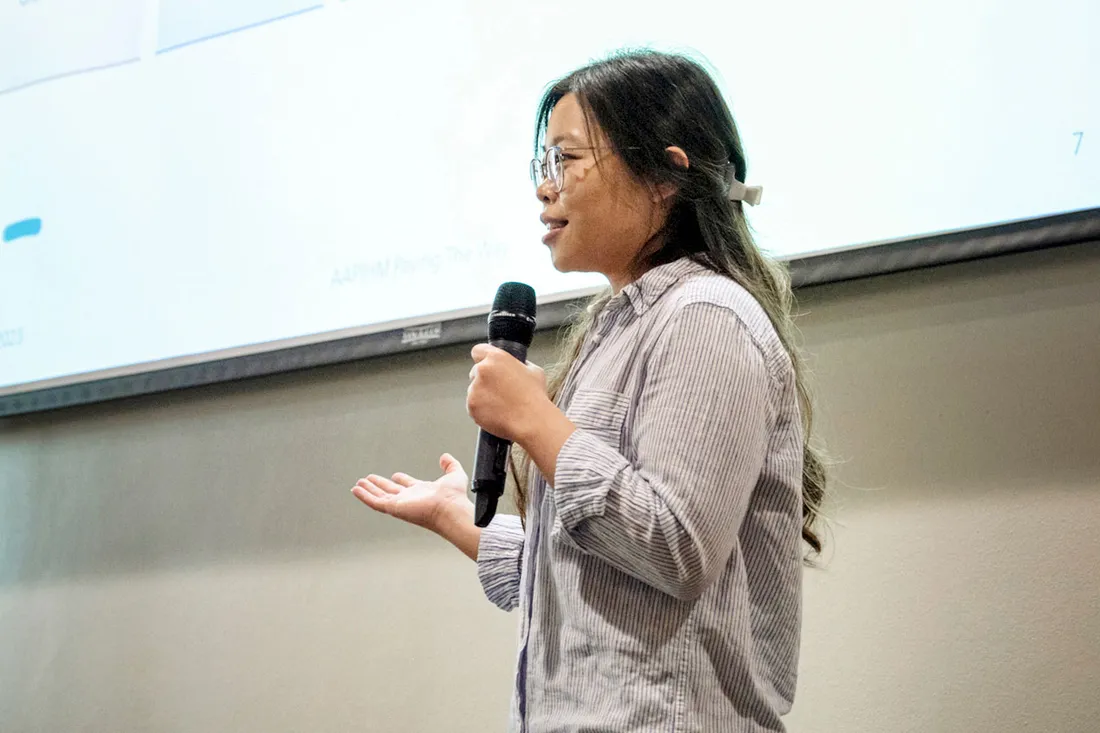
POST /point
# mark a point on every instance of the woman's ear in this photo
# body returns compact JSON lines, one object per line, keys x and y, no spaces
{"x":678,"y":158}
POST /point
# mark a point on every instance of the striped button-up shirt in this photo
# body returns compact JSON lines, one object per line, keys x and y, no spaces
{"x":658,"y":582}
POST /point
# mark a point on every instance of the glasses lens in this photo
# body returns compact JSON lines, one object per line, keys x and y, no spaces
{"x":536,"y":172}
{"x":553,"y":167}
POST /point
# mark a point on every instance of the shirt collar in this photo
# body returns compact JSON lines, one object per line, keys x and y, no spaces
{"x":648,"y":289}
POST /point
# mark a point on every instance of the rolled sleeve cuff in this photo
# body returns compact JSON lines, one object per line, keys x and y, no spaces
{"x":499,"y":560}
{"x":583,"y":475}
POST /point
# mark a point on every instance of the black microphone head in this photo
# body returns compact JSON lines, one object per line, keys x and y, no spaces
{"x":513,"y":314}
{"x":516,"y":298}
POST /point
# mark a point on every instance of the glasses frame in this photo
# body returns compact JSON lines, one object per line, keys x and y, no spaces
{"x":540,"y":169}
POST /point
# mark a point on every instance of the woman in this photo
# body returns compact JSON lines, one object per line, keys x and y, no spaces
{"x":657,"y":567}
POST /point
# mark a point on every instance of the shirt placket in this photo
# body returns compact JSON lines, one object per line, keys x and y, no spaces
{"x":534,"y":520}
{"x":603,"y":324}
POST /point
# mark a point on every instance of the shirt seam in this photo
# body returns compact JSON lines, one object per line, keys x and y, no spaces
{"x":773,"y":378}
{"x":681,"y":675}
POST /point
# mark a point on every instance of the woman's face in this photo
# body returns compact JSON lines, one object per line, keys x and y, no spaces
{"x":603,"y":216}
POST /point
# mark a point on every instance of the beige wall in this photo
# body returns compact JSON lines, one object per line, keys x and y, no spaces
{"x":194,"y":562}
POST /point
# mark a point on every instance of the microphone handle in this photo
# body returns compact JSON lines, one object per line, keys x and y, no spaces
{"x":491,"y":458}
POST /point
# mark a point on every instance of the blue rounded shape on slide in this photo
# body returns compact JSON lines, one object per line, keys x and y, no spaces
{"x":25,"y":228}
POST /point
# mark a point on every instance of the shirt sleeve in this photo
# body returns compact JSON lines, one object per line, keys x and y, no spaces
{"x":499,"y":559}
{"x":700,"y":435}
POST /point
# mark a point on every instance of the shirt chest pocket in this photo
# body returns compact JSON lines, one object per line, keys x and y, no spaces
{"x":599,"y":412}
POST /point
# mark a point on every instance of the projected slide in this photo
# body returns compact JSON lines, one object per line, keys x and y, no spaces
{"x":340,"y":169}
{"x":42,"y":40}
{"x":183,"y":22}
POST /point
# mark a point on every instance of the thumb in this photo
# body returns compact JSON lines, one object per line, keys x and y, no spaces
{"x":448,"y":463}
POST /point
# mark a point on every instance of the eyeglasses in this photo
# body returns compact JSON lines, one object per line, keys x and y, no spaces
{"x":552,"y":165}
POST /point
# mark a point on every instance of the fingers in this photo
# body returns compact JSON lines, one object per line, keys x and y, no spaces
{"x":366,"y":487}
{"x":372,"y":496}
{"x":481,"y":351}
{"x":404,"y":479}
{"x":382,"y":484}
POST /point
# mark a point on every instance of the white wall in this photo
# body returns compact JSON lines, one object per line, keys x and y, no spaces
{"x":194,"y":561}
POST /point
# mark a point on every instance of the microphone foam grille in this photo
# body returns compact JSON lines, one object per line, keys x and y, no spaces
{"x":515,"y":298}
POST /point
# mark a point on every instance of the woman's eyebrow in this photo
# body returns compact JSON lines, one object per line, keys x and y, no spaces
{"x":559,"y":139}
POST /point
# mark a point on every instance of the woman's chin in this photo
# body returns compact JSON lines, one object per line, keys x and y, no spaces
{"x":559,"y":260}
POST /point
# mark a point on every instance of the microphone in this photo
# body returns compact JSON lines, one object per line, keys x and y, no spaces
{"x":511,"y":328}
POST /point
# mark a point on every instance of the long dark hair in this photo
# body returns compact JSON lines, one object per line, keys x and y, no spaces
{"x":644,"y":102}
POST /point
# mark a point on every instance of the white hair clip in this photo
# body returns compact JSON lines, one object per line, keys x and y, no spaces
{"x":739,"y":191}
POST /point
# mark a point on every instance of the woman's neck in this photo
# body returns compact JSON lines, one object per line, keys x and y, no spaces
{"x":618,"y":282}
{"x":638,"y":264}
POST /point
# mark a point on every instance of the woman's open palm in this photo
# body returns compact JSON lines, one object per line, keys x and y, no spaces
{"x":418,"y":502}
